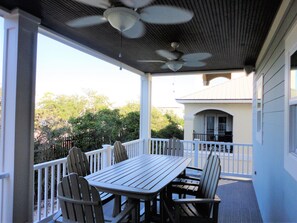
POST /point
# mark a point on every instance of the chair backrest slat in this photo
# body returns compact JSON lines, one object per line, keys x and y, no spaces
{"x":75,"y":193}
{"x":79,"y":201}
{"x":77,"y":162}
{"x":120,"y":152}
{"x":174,"y":147}
{"x":67,"y":208}
{"x":209,"y":181}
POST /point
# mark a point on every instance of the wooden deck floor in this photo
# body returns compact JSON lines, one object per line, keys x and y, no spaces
{"x":238,"y":202}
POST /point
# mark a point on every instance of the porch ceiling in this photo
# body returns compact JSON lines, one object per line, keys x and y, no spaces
{"x":233,"y":31}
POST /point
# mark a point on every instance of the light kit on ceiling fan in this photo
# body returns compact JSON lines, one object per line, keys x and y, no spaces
{"x":174,"y":65}
{"x":121,"y":18}
{"x":175,"y":59}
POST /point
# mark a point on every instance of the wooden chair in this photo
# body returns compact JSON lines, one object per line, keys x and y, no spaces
{"x":120,"y":152}
{"x":188,"y":183}
{"x":77,"y":162}
{"x":174,"y":147}
{"x":204,"y":207}
{"x":81,"y":202}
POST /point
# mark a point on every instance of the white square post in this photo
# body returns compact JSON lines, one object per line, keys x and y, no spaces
{"x":145,"y":110}
{"x":17,"y":143}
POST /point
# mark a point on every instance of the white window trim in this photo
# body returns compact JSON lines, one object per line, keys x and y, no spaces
{"x":259,"y":84}
{"x":290,"y":159}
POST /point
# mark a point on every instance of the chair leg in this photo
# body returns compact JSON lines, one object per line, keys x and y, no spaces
{"x":162,"y":212}
{"x":215,"y":212}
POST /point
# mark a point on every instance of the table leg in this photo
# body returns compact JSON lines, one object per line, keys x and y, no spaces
{"x":117,"y":205}
{"x":136,"y":211}
{"x":162,"y":194}
{"x":147,"y":211}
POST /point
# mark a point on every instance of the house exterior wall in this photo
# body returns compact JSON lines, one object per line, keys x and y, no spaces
{"x":275,"y":188}
{"x":242,"y":119}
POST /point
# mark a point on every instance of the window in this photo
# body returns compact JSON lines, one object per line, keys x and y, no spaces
{"x":259,"y":105}
{"x":293,"y":102}
{"x":290,"y":134}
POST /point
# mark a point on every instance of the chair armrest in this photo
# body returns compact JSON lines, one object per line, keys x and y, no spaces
{"x":184,"y":184}
{"x":188,"y":178}
{"x":194,"y":168}
{"x":197,"y":200}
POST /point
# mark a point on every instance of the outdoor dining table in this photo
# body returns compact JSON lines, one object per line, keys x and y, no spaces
{"x":139,"y":178}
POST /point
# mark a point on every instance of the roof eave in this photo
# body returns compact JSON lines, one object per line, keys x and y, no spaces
{"x":215,"y":101}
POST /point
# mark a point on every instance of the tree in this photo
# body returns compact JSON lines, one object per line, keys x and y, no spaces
{"x":172,"y":129}
{"x":88,"y":122}
{"x":52,"y":116}
{"x":130,"y":126}
{"x":92,"y":130}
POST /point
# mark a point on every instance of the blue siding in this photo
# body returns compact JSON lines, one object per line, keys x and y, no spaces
{"x":276,"y":190}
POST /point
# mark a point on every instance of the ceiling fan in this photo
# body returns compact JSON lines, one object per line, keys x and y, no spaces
{"x":128,"y":16}
{"x":175,"y":59}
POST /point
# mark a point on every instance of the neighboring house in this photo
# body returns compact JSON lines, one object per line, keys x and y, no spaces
{"x":219,"y":112}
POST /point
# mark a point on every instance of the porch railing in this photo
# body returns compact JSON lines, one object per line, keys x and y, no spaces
{"x":236,"y":159}
{"x":47,"y":176}
{"x":226,"y":137}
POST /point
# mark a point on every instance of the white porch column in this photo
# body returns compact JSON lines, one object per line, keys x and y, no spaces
{"x":17,"y":144}
{"x":188,"y":126}
{"x":145,"y":109}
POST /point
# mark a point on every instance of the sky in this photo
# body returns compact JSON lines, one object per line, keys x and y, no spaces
{"x":62,"y":69}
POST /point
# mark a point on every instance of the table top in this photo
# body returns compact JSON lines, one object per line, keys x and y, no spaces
{"x":141,"y":177}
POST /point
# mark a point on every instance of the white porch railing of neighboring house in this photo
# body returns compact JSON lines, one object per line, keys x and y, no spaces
{"x":236,"y":159}
{"x":49,"y":174}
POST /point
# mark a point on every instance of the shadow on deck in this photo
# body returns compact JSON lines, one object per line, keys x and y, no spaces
{"x":238,"y":202}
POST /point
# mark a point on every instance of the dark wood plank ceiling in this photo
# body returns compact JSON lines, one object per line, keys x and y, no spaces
{"x":233,"y":31}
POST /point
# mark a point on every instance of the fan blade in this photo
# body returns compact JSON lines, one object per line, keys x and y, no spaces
{"x":86,"y":21}
{"x":195,"y":56}
{"x":103,"y":4}
{"x":136,"y":31}
{"x":166,"y":54}
{"x":136,"y":3}
{"x":164,"y":66}
{"x":161,"y":14}
{"x":194,"y":64}
{"x":151,"y":61}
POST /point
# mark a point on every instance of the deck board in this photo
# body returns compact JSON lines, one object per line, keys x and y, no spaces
{"x":239,"y":203}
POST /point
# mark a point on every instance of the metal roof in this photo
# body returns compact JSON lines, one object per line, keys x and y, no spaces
{"x":237,"y":90}
{"x":233,"y":31}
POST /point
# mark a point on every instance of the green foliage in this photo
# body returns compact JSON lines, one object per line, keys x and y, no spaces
{"x":130,"y":107}
{"x":130,"y":126}
{"x":92,"y":130}
{"x":172,"y":129}
{"x":88,"y":122}
{"x":158,"y":120}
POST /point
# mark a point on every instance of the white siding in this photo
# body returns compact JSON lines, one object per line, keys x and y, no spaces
{"x":275,"y":188}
